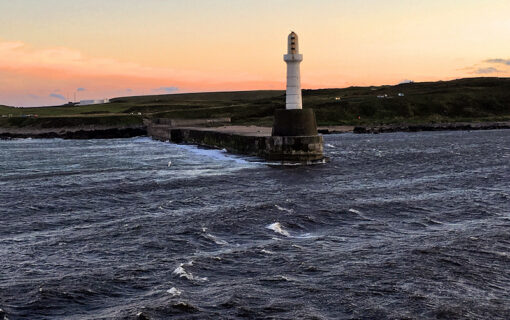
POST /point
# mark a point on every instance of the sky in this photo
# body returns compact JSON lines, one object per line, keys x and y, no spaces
{"x":54,"y":51}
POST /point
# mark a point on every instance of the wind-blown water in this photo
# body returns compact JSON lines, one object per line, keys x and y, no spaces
{"x":401,"y":225}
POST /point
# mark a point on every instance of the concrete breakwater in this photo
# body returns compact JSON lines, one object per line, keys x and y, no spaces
{"x":258,"y":141}
{"x":246,"y":140}
{"x":189,"y":122}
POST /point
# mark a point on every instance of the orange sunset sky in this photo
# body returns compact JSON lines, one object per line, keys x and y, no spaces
{"x":51,"y":50}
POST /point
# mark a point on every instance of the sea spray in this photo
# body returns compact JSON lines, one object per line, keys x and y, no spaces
{"x":277,"y":227}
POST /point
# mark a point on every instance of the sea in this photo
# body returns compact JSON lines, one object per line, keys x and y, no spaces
{"x":395,"y":226}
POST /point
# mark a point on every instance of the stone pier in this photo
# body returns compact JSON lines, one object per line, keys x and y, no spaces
{"x":244,"y":140}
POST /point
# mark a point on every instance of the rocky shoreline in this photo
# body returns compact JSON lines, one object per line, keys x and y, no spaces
{"x":73,"y":133}
{"x":107,"y":132}
{"x":452,"y":126}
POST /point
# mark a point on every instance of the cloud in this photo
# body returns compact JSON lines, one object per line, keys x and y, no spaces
{"x":486,"y":70}
{"x":58,"y":96}
{"x":167,"y":89}
{"x":129,"y":90}
{"x":80,"y":89}
{"x":61,"y":61}
{"x":23,"y":67}
{"x":499,"y":61}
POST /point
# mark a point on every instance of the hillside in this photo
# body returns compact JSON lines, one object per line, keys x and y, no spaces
{"x":472,"y":99}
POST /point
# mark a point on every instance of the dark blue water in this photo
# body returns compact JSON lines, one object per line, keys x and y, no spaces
{"x":396,"y":226}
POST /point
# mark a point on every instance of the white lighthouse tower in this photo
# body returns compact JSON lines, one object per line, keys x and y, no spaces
{"x":294,"y":138}
{"x":293,"y":59}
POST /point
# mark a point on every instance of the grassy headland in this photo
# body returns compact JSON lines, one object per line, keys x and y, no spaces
{"x":466,"y":100}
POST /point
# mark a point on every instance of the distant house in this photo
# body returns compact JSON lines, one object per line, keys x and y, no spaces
{"x":400,"y":94}
{"x":89,"y":102}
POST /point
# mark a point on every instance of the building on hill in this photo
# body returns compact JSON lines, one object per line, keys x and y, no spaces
{"x":89,"y":102}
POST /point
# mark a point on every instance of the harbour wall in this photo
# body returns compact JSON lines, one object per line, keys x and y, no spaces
{"x":297,"y":149}
{"x":189,"y":122}
{"x":293,"y":148}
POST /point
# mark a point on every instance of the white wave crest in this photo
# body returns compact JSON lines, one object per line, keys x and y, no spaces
{"x":283,"y":209}
{"x":277,"y":227}
{"x":359,"y":214}
{"x":213,"y":238}
{"x":182,"y":273}
{"x":215,"y":154}
{"x":306,"y":236}
{"x":174,"y":291}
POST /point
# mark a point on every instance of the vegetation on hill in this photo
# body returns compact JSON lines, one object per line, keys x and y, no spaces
{"x":69,"y":122}
{"x":473,"y":99}
{"x":457,"y":100}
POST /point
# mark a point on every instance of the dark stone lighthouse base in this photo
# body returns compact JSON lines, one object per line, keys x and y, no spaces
{"x":295,"y":137}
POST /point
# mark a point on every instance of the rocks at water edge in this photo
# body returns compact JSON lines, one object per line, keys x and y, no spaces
{"x":432,"y":127}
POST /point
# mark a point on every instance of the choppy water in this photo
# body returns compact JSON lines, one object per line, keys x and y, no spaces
{"x":403,"y":225}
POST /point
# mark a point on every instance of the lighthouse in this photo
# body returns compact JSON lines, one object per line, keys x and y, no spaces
{"x":294,"y":137}
{"x":293,"y":59}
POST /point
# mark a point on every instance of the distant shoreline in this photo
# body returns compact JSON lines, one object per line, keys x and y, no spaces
{"x":448,"y":126}
{"x":466,"y":100}
{"x":73,"y":132}
{"x":112,"y":132}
